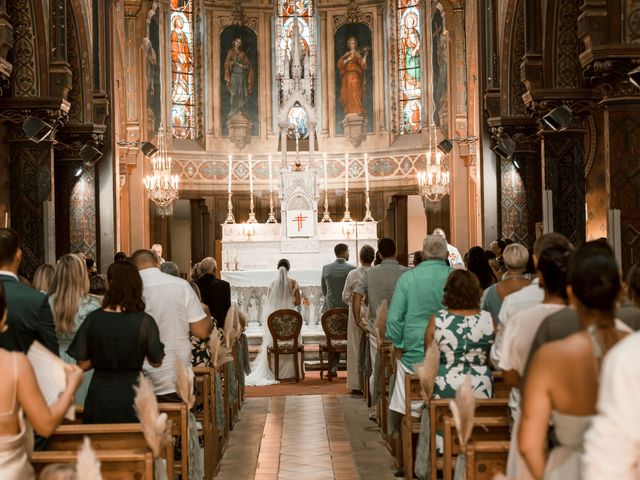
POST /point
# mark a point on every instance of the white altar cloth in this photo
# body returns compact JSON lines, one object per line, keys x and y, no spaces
{"x":264,"y":278}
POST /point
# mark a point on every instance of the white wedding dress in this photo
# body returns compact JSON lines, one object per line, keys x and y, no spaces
{"x":280,"y":297}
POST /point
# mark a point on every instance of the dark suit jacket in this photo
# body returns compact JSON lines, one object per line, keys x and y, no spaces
{"x":334,"y":276}
{"x":30,"y":318}
{"x":216,"y":294}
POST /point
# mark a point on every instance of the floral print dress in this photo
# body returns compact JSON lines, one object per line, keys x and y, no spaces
{"x":464,"y":343}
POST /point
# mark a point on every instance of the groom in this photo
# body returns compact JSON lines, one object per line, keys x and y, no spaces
{"x":334,"y":276}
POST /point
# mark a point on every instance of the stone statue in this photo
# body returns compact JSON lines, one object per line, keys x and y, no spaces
{"x":238,"y":76}
{"x":352,"y":66}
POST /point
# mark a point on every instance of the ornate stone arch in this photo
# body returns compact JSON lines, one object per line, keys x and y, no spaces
{"x":513,"y":88}
{"x":566,"y":47}
{"x":79,"y":59}
{"x":27,"y":64}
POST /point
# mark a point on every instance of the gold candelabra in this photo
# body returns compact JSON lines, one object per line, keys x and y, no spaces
{"x":347,"y":213}
{"x":272,"y":217}
{"x":252,"y":215}
{"x":326,"y":217}
{"x":230,"y":218}
{"x":367,"y":217}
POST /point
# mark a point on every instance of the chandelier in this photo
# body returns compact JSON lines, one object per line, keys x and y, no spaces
{"x":433,"y":183}
{"x":162,"y":186}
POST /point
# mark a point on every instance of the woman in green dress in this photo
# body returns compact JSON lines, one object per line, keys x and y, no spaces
{"x":463,"y":334}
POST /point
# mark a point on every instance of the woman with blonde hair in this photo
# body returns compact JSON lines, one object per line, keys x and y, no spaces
{"x":43,"y":277}
{"x":70,"y":303}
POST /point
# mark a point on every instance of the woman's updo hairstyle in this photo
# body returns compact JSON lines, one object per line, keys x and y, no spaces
{"x":284,"y":263}
{"x":594,"y":276}
{"x":553,"y":265}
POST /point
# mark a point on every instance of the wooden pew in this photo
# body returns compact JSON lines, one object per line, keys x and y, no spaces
{"x":205,"y":396}
{"x":386,"y":369}
{"x":500,"y":388}
{"x":114,"y":464}
{"x":177,"y":414}
{"x":496,"y":412}
{"x":486,"y":427}
{"x":113,"y":436}
{"x":486,"y":458}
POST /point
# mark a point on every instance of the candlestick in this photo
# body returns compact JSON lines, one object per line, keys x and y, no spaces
{"x":230,"y":218}
{"x":326,"y":217}
{"x":252,"y":215}
{"x":346,"y":172}
{"x":250,"y":175}
{"x":230,"y":173}
{"x":270,"y":176}
{"x":272,"y":217}
{"x":367,"y":216}
{"x":347,"y":213}
{"x":366,"y":172}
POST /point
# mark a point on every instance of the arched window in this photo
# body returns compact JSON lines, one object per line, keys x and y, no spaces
{"x":286,"y":15}
{"x":410,"y":65}
{"x":183,"y":122}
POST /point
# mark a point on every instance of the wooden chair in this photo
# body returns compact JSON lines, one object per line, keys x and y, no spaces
{"x":203,"y":379}
{"x":129,"y":464}
{"x":334,"y":323}
{"x":364,"y":379}
{"x":387,"y":367}
{"x":285,"y":326}
{"x":112,"y":436}
{"x":486,"y":458}
{"x":410,"y":427}
{"x":500,"y":388}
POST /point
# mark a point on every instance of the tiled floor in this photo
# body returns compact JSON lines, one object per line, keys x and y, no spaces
{"x":305,"y":437}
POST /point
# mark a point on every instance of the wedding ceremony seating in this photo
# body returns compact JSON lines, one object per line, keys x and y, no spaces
{"x":125,"y":464}
{"x":334,"y":326}
{"x":285,"y":326}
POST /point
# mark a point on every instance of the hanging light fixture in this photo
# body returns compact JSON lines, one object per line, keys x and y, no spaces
{"x":433,"y":182}
{"x":162,"y":186}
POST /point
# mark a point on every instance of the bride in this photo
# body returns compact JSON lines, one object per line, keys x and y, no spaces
{"x":284,"y":293}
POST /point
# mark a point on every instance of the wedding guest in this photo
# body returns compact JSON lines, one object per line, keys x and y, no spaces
{"x":177,"y":311}
{"x":417,"y":297}
{"x":71,"y":303}
{"x":43,"y":277}
{"x":417,"y":258}
{"x":377,"y":285}
{"x":119,"y":256}
{"x":629,"y":312}
{"x":354,"y":333}
{"x":527,"y":297}
{"x":612,"y":444}
{"x":98,"y":286}
{"x":518,"y":335}
{"x":92,"y":269}
{"x":30,"y":316}
{"x":170,"y":268}
{"x":114,"y":341}
{"x":496,"y":267}
{"x":477,"y":263}
{"x":156,"y":248}
{"x":19,"y":393}
{"x":566,"y":394}
{"x":216,"y":293}
{"x":515,"y":259}
{"x":463,"y":334}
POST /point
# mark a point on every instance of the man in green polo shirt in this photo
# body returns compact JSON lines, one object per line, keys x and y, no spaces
{"x":417,"y":296}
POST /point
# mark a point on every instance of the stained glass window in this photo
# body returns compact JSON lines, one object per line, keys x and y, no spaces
{"x":410,"y":65}
{"x":288,"y":11}
{"x":182,"y":78}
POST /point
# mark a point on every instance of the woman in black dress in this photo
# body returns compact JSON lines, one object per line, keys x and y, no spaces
{"x":114,"y":341}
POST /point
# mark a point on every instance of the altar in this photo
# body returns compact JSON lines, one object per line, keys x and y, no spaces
{"x":251,"y":250}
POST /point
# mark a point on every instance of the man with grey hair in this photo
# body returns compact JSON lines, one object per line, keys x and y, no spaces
{"x":417,"y":297}
{"x":156,"y":248}
{"x":454,"y":257}
{"x":170,"y":268}
{"x":215,"y":292}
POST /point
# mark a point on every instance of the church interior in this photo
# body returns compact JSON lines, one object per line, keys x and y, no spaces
{"x":252,"y":131}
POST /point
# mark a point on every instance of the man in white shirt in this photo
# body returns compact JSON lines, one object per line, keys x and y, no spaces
{"x":526,"y":298}
{"x":612,"y":444}
{"x":177,"y":310}
{"x":455,"y":259}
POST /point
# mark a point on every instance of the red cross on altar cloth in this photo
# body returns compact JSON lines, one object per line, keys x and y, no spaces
{"x":300,"y":223}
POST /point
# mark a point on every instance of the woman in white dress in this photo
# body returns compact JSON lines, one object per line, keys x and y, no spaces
{"x":561,"y":384}
{"x":284,"y":293}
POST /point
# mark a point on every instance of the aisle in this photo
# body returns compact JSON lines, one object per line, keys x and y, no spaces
{"x":313,"y":437}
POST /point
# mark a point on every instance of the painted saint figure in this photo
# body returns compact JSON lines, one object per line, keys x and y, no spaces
{"x":411,"y":50}
{"x":238,"y":76}
{"x":180,"y":57}
{"x":352,"y":66}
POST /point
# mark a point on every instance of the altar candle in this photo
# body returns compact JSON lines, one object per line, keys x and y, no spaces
{"x":346,"y":172}
{"x":270,"y":176}
{"x":230,"y":173}
{"x":366,"y":172}
{"x":250,"y":175}
{"x":324,"y":164}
